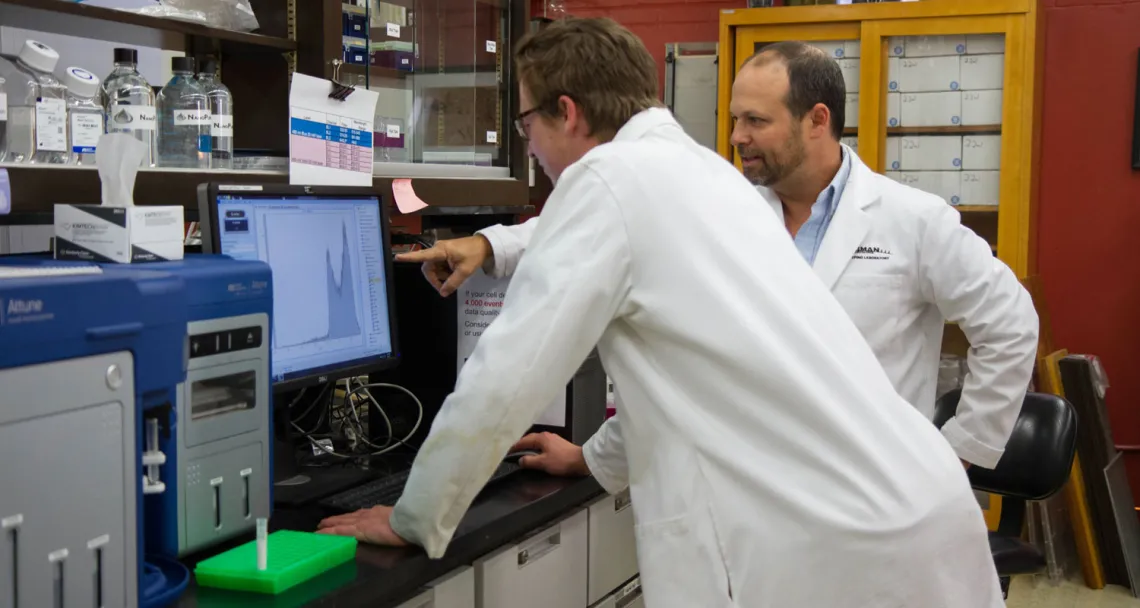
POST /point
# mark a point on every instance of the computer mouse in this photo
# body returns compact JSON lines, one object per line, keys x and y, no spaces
{"x":514,"y":457}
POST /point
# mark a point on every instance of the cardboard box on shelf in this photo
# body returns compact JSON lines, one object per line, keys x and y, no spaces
{"x":980,"y":72}
{"x":929,"y":74}
{"x":931,"y":109}
{"x":850,"y":69}
{"x":852,"y":142}
{"x":930,"y":153}
{"x":981,"y":44}
{"x":893,"y":145}
{"x":980,"y":188}
{"x":894,"y":109}
{"x":893,"y":73}
{"x":934,"y":46}
{"x":851,"y":110}
{"x":851,"y":48}
{"x":836,"y":49}
{"x":981,"y":107}
{"x":981,"y":152}
{"x":895,"y":175}
{"x":945,"y":184}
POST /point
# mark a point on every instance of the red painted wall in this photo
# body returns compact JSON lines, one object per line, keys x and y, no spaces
{"x":1089,"y":202}
{"x":660,"y":22}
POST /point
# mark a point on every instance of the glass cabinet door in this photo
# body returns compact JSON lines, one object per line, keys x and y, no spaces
{"x":940,"y":119}
{"x":441,"y":70}
{"x":944,"y":102}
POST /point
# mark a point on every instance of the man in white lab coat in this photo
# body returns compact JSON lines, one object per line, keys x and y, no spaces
{"x":771,"y":462}
{"x":898,"y":260}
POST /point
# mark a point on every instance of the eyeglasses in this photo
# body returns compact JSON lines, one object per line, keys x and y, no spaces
{"x":520,"y":126}
{"x":549,"y":106}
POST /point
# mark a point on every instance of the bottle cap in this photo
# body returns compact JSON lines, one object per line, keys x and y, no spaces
{"x":124,"y":55}
{"x":81,"y":82}
{"x":182,"y":64}
{"x":39,"y":55}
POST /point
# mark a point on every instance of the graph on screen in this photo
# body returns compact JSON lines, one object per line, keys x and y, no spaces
{"x":315,"y":292}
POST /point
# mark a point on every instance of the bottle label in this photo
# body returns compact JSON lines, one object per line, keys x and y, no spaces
{"x":3,"y":106}
{"x":86,"y":129}
{"x":51,"y":125}
{"x":192,"y":118}
{"x":125,"y":118}
{"x":223,"y":125}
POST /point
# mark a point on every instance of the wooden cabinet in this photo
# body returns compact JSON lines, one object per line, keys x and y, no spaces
{"x":941,"y":96}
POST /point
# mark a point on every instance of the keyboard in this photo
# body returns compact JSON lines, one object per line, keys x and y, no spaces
{"x":387,"y":490}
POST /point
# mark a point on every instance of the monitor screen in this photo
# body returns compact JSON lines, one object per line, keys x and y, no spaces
{"x":330,"y":300}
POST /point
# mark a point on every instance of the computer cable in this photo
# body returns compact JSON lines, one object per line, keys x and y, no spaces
{"x":366,"y":388}
{"x":359,"y":428}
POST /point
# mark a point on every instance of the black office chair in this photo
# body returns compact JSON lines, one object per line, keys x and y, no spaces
{"x":1035,"y":466}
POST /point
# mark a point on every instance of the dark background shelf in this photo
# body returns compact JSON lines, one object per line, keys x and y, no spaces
{"x":76,"y":19}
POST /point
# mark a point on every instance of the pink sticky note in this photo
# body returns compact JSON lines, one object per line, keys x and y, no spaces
{"x":406,"y":199}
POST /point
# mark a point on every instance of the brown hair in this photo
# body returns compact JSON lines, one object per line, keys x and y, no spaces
{"x":599,"y":64}
{"x":813,"y":78}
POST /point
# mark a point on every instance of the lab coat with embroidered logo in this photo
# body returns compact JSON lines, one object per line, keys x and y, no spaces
{"x":901,"y":263}
{"x":771,"y":462}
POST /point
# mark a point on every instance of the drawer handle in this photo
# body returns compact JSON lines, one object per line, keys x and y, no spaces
{"x":535,"y":550}
{"x":631,"y":592}
{"x":622,"y":500}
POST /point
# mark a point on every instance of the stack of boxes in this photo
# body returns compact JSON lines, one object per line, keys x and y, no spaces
{"x":354,"y":18}
{"x":946,"y":81}
{"x":395,"y":51}
{"x":390,"y":51}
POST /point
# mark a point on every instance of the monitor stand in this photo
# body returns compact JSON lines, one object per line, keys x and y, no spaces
{"x":294,"y":486}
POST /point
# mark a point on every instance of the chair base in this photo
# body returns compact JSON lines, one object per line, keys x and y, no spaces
{"x":1014,"y":556}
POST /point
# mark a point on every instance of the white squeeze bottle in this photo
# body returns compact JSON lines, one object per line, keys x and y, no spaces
{"x":84,"y":115}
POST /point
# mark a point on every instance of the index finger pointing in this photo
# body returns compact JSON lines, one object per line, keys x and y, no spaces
{"x":434,"y":254}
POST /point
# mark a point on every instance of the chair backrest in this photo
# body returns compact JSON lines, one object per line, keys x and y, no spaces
{"x":1040,"y":451}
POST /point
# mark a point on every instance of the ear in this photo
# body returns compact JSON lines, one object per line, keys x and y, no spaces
{"x":572,"y":114}
{"x":820,"y":118}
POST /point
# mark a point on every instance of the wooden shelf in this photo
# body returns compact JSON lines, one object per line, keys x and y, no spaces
{"x":128,"y":28}
{"x":36,"y":189}
{"x":977,"y":208}
{"x":954,"y":130}
{"x":949,"y":130}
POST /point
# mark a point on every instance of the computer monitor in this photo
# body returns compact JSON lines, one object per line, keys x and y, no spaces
{"x":330,"y":251}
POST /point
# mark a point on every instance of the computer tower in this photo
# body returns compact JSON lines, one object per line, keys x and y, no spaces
{"x":429,"y":340}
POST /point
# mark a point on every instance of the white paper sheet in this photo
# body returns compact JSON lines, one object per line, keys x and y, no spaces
{"x":480,"y":300}
{"x":330,"y":141}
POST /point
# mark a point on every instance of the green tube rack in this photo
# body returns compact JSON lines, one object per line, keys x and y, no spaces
{"x":292,"y":558}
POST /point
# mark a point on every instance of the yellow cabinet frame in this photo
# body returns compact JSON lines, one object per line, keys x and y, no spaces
{"x":872,"y":24}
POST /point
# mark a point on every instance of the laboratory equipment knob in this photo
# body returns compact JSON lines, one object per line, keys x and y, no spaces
{"x":114,"y":377}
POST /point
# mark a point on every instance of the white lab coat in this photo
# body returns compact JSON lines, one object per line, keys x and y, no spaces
{"x":771,"y":462}
{"x":901,"y":263}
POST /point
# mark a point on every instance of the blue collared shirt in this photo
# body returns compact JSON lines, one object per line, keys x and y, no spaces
{"x":810,"y":235}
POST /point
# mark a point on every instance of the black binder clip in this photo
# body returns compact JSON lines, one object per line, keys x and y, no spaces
{"x":340,"y":92}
